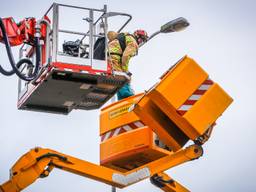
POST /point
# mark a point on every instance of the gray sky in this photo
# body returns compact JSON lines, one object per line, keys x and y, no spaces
{"x":221,"y":39}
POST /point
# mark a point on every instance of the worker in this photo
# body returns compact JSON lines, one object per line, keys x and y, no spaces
{"x":121,"y":47}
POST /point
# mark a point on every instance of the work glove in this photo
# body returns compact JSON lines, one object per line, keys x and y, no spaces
{"x":129,"y":73}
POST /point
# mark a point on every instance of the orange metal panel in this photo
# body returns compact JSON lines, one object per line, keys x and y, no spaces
{"x":153,"y":116}
{"x":133,"y":140}
{"x":181,"y":81}
{"x":173,"y":116}
{"x":130,"y":150}
{"x":117,"y":114}
{"x":208,"y":108}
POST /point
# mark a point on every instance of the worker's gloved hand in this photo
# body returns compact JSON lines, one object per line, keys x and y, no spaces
{"x":129,"y":73}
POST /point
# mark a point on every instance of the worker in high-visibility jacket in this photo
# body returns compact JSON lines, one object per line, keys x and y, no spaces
{"x":121,"y":47}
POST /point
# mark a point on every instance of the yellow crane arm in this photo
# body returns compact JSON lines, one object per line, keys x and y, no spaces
{"x":39,"y":162}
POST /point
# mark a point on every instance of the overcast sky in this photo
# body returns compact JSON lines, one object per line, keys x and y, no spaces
{"x":221,"y":39}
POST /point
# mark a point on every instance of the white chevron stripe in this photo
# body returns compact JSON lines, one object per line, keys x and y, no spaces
{"x":106,"y":136}
{"x":204,"y":87}
{"x":127,"y":128}
{"x":194,"y":97}
{"x":139,"y":124}
{"x":116,"y":131}
{"x":185,"y":107}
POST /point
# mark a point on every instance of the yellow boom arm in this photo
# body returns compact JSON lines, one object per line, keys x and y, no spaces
{"x":39,"y":162}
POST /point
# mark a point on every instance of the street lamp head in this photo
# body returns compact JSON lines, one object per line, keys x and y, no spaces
{"x":175,"y":25}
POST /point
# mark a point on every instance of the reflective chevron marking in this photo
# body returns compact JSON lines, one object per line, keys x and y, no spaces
{"x":122,"y":129}
{"x":195,"y":96}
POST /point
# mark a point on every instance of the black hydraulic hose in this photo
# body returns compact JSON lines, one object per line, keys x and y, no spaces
{"x":22,"y":61}
{"x":159,"y":181}
{"x":8,"y":49}
{"x":48,"y":155}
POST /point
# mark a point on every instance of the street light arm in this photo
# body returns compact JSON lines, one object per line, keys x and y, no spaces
{"x":150,"y":37}
{"x":175,"y":25}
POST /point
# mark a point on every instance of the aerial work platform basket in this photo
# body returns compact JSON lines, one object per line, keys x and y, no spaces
{"x":183,"y":106}
{"x":72,"y":75}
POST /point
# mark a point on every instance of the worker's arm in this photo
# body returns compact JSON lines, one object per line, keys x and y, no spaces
{"x":130,"y":51}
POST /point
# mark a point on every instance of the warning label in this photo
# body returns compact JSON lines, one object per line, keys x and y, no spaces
{"x":120,"y":111}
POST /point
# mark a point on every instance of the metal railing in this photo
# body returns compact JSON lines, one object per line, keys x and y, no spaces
{"x":51,"y":46}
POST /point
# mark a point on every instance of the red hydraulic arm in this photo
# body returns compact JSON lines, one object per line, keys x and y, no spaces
{"x":22,"y":32}
{"x":28,"y":31}
{"x":39,"y":162}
